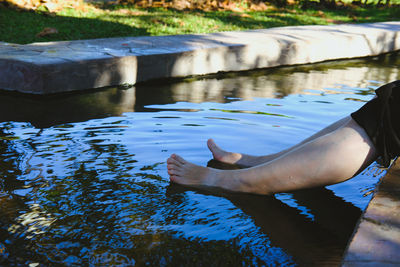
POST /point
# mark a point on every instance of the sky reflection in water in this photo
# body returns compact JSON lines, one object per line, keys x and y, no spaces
{"x":83,"y":177}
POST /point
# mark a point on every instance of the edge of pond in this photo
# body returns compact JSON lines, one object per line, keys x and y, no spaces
{"x":56,"y":67}
{"x":376,"y":239}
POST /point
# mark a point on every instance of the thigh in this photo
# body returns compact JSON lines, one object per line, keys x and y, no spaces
{"x":380,"y":119}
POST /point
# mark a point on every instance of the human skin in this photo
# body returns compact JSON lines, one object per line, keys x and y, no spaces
{"x":330,"y":156}
{"x":250,"y":161}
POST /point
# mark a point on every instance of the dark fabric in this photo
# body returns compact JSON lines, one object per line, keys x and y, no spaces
{"x":380,"y":118}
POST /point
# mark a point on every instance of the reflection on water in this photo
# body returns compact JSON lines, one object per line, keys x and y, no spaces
{"x":83,"y":178}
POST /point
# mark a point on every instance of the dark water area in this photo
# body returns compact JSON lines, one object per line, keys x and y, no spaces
{"x":83,"y":178}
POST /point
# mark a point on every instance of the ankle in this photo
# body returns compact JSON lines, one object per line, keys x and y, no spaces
{"x":214,"y":177}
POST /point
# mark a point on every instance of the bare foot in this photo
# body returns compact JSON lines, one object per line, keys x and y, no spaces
{"x":186,"y":173}
{"x":222,"y":155}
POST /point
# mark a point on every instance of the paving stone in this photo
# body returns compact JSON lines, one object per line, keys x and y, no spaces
{"x":392,"y":182}
{"x":86,"y":64}
{"x":374,"y":244}
{"x":385,"y":209}
{"x":7,"y":47}
{"x":376,"y":241}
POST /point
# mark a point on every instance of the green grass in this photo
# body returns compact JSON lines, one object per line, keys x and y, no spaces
{"x":115,"y":21}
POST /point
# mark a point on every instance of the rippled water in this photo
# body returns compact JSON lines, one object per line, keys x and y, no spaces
{"x":83,"y":177}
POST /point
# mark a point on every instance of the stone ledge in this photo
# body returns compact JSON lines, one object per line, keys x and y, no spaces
{"x":376,"y":241}
{"x":45,"y":68}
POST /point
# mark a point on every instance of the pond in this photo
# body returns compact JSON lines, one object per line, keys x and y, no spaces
{"x":83,"y":178}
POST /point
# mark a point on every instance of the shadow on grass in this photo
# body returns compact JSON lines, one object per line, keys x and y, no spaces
{"x":22,"y":27}
{"x":221,"y":20}
{"x":266,"y":19}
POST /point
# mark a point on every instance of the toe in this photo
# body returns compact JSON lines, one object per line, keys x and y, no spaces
{"x":173,"y":161}
{"x":170,"y":161}
{"x":211,"y":144}
{"x":175,"y":178}
{"x":172,"y":178}
{"x":171,"y":171}
{"x":213,"y":147}
{"x":179,"y":159}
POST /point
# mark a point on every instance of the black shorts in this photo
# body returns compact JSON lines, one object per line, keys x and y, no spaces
{"x":380,"y":118}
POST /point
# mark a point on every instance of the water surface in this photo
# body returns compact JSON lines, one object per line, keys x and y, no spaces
{"x":83,"y":179}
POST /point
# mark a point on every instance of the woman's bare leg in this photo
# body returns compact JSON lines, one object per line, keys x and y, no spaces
{"x":250,"y":161}
{"x":327,"y":159}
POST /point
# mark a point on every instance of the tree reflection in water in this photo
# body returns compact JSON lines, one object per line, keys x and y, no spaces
{"x":18,"y":248}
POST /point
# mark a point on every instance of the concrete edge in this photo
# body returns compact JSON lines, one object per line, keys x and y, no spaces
{"x":46,"y":68}
{"x":376,"y":239}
